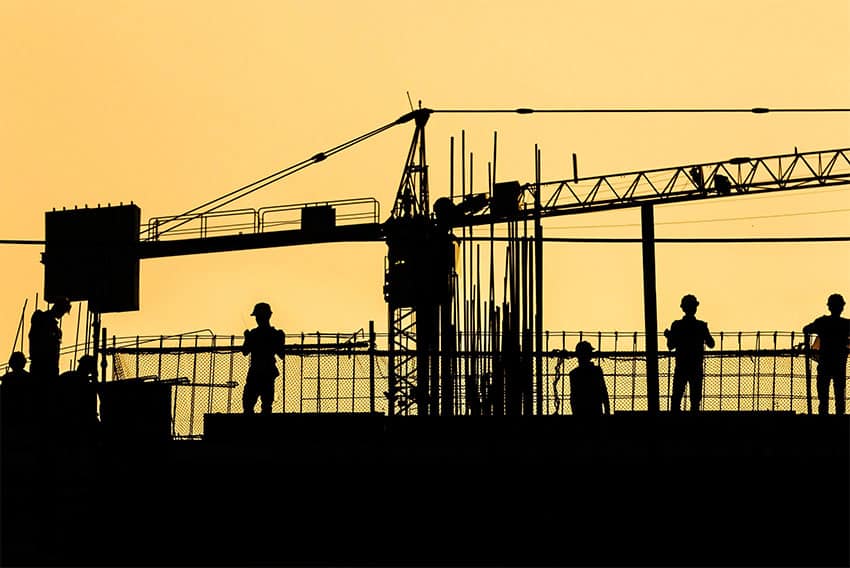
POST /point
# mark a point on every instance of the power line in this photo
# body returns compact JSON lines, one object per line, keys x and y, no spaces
{"x":523,"y":110}
{"x":667,"y":240}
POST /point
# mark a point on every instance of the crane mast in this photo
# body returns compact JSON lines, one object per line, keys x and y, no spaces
{"x":419,"y":291}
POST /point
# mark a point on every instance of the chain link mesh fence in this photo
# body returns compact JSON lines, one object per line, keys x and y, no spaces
{"x":341,"y":373}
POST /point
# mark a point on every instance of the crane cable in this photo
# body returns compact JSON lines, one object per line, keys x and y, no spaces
{"x":245,"y":190}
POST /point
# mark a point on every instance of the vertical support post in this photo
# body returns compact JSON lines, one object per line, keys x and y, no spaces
{"x":96,"y":339}
{"x":538,"y":285}
{"x":371,"y":366}
{"x":282,"y":375}
{"x":391,"y":375}
{"x":650,"y":311}
{"x":103,"y":355}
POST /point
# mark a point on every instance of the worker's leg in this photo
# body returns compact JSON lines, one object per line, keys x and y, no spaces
{"x":678,"y":388}
{"x":839,"y":384}
{"x":267,"y":396}
{"x":696,"y":391}
{"x":822,"y":385}
{"x":249,"y":396}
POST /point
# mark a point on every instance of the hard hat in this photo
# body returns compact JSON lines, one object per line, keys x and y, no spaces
{"x":835,"y":300}
{"x":689,"y":300}
{"x":261,"y":309}
{"x":17,"y":359}
{"x":583,"y":347}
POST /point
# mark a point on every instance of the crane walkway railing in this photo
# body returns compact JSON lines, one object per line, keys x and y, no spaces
{"x":266,"y":219}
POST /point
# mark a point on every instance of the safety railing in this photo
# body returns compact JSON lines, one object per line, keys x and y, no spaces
{"x":265,"y":219}
{"x":325,"y":372}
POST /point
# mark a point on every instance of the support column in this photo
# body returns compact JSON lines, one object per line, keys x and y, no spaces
{"x":650,"y":311}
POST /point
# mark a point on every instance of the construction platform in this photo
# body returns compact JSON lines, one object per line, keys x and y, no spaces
{"x":631,"y":489}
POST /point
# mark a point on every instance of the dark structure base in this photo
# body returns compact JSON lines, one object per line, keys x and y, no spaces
{"x":741,"y":489}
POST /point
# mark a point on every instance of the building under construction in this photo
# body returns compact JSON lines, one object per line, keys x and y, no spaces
{"x":447,"y":439}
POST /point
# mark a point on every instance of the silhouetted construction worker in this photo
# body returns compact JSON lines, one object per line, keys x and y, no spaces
{"x":833,"y":333}
{"x":45,"y":337}
{"x":588,"y":392}
{"x":76,"y":395}
{"x":688,"y":336}
{"x":85,"y":373}
{"x":16,"y":372}
{"x":262,"y":343}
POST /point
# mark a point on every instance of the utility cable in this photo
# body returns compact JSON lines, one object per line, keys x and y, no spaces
{"x":523,"y":110}
{"x":667,"y":240}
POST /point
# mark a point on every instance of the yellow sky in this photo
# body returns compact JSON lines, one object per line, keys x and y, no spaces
{"x":170,"y":104}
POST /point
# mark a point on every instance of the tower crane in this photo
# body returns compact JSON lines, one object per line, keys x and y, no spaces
{"x":420,"y":273}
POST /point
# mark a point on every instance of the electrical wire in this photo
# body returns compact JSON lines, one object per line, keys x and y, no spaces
{"x":524,"y":110}
{"x":668,"y":239}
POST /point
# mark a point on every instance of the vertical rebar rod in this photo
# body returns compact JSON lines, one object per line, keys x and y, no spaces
{"x":538,"y":273}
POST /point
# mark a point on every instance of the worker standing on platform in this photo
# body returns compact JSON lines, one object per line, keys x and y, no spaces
{"x":688,"y":336}
{"x":833,"y":333}
{"x":588,"y":392}
{"x":262,"y":343}
{"x":45,"y":338}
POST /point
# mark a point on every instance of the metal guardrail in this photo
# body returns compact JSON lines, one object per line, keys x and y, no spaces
{"x":337,"y":372}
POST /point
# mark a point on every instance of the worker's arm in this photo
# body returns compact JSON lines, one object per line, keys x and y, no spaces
{"x":281,"y":345}
{"x":245,"y":348}
{"x":809,"y":328}
{"x":670,"y":335}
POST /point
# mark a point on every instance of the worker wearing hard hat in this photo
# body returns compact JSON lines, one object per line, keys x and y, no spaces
{"x":833,"y":336}
{"x":688,"y":336}
{"x":588,"y":393}
{"x":45,"y":338}
{"x":262,"y":343}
